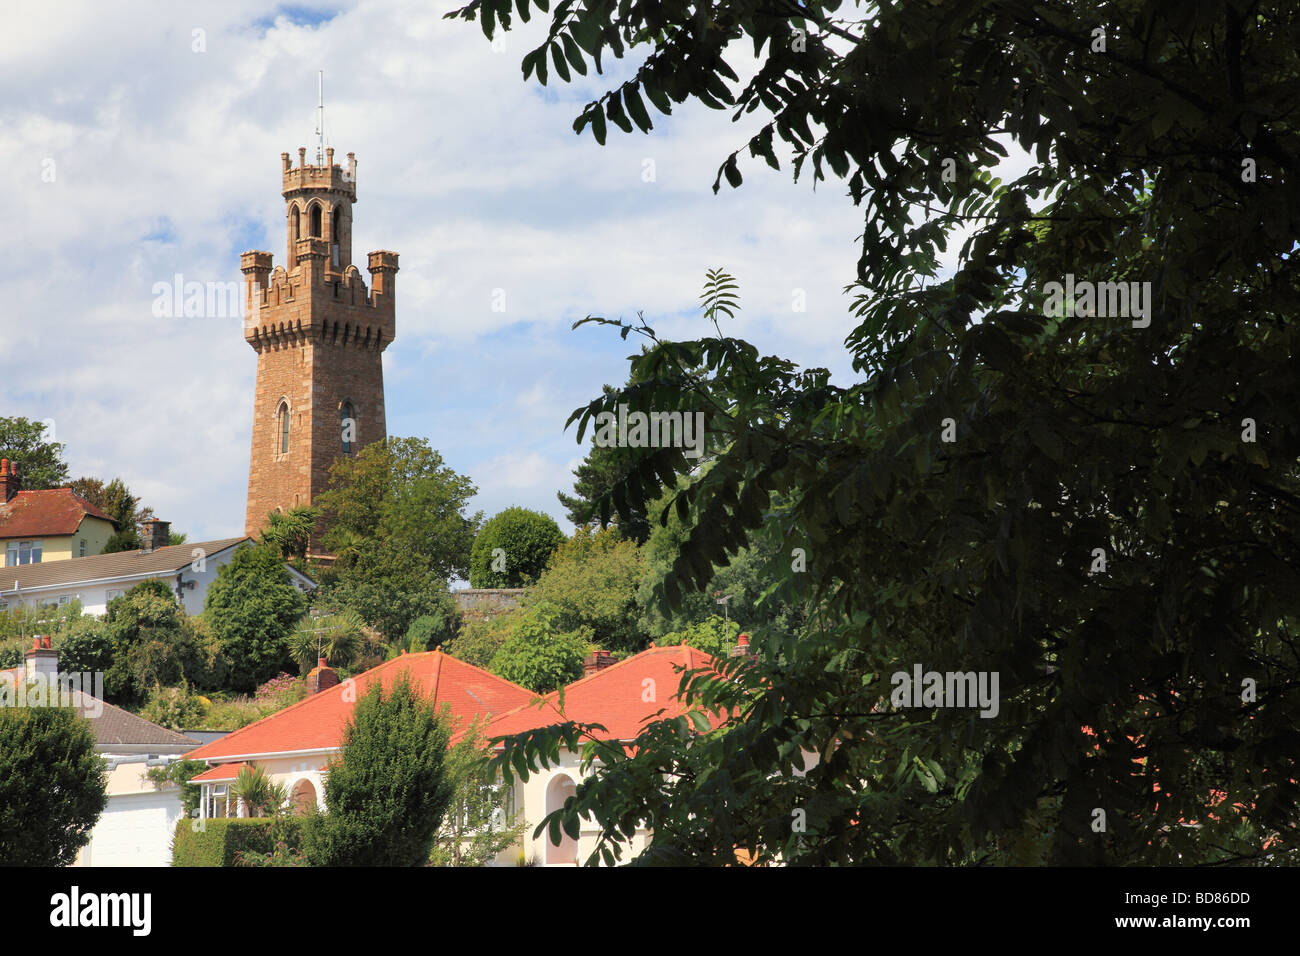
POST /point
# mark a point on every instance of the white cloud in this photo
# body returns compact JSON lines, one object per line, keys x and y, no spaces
{"x":167,"y":162}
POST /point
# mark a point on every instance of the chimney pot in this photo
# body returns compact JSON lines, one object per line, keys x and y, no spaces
{"x":9,"y":481}
{"x":41,"y":660}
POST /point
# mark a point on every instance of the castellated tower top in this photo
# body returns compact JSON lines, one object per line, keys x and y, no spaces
{"x":318,"y":292}
{"x":328,"y":178}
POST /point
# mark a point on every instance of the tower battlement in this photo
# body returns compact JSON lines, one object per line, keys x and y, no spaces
{"x":330,"y":177}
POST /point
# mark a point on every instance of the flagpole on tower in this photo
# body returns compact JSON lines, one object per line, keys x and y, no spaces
{"x":320,"y":118}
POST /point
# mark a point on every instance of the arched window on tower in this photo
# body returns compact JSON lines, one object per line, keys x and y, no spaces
{"x":282,"y":421}
{"x":348,"y":426}
{"x":297,"y":226}
{"x":315,"y":221}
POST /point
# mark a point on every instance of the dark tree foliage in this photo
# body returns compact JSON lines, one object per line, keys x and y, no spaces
{"x":596,"y":477}
{"x":386,"y":793}
{"x":53,"y":785}
{"x":1098,"y":504}
{"x":115,"y":499}
{"x":396,"y":521}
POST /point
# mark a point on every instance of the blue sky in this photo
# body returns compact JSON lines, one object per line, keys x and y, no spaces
{"x":166,"y":160}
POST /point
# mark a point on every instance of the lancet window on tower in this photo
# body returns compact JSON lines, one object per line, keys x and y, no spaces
{"x":282,"y":421}
{"x":334,"y":236}
{"x":348,"y":426}
{"x":316,"y":220}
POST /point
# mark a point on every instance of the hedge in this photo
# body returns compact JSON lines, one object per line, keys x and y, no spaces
{"x":222,"y":838}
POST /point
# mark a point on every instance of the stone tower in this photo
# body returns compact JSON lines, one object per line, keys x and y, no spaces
{"x":319,"y":337}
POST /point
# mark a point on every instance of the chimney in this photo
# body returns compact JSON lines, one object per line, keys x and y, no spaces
{"x":8,"y":480}
{"x":156,"y":535}
{"x":322,"y":677}
{"x":742,"y":647}
{"x":597,"y":661}
{"x":41,"y":660}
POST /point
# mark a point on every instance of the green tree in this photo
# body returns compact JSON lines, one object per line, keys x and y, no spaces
{"x":513,"y":549}
{"x":53,"y":785}
{"x":432,"y":630}
{"x":538,"y":654}
{"x":396,"y":522}
{"x":479,"y":639}
{"x":387,"y":792}
{"x":592,"y":583}
{"x":596,"y":476}
{"x":261,"y":795}
{"x":251,"y":608}
{"x":477,"y":825}
{"x":291,"y":531}
{"x":115,"y":500}
{"x":1099,"y":507}
{"x":39,"y":461}
{"x":714,"y":635}
{"x":152,"y":643}
{"x":742,"y":582}
{"x":336,"y":637}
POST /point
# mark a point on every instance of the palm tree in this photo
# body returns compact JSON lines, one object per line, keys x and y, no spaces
{"x":336,"y":637}
{"x":262,"y":797}
{"x":290,"y":531}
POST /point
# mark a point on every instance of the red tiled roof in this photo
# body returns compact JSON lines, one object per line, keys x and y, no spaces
{"x":614,"y":696}
{"x":318,"y":722}
{"x":35,"y":514}
{"x":225,"y":771}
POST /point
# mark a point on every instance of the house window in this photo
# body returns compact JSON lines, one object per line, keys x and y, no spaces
{"x":109,"y":595}
{"x":83,"y":548}
{"x":283,"y":420}
{"x":219,"y":803}
{"x":22,"y":552}
{"x":348,"y":425}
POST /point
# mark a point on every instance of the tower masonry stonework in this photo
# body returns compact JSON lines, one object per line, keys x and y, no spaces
{"x":319,"y":334}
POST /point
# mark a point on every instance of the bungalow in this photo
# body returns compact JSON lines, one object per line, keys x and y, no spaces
{"x":188,"y":569}
{"x":136,"y":826}
{"x":51,"y":525}
{"x":295,"y":746}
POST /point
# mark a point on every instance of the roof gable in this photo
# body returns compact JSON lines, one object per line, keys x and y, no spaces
{"x":52,"y":512}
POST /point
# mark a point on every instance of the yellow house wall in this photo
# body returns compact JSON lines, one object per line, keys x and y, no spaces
{"x":94,"y":531}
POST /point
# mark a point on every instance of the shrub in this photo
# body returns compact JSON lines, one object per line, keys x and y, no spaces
{"x":174,"y":707}
{"x":387,"y":792}
{"x":52,"y":785}
{"x":526,"y":538}
{"x":538,"y":655}
{"x":251,"y":607}
{"x":480,"y":638}
{"x":221,"y":841}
